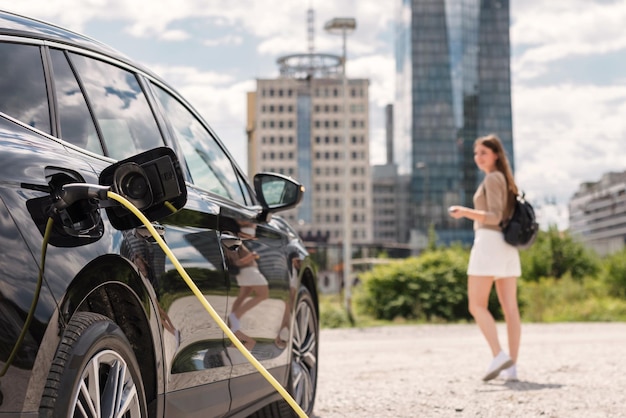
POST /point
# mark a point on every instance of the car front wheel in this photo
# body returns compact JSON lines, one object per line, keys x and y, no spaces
{"x":94,"y":373}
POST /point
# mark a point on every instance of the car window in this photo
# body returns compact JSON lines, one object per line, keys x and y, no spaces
{"x":121,"y":109}
{"x":209,"y":166}
{"x":77,"y":126}
{"x":22,"y":85}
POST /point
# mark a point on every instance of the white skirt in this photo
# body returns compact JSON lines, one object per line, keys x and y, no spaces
{"x":492,"y":256}
{"x":251,"y":276}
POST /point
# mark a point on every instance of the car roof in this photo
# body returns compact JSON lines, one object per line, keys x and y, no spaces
{"x":13,"y":24}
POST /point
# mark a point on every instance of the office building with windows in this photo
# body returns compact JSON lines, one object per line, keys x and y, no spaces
{"x":296,"y":127}
{"x":597,"y":213}
{"x":453,"y":85}
{"x":390,"y":197}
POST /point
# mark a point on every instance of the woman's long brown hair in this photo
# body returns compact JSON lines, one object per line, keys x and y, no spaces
{"x":492,"y":142}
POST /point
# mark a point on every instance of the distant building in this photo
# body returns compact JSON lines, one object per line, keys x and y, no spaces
{"x":296,"y":127}
{"x":387,"y":195}
{"x":452,"y":86}
{"x":597,"y":213}
{"x":391,"y":200}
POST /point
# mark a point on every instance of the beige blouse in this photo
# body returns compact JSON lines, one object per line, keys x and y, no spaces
{"x":492,"y":197}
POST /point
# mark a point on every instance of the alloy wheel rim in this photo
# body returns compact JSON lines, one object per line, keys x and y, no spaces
{"x":304,"y":360}
{"x":106,"y":389}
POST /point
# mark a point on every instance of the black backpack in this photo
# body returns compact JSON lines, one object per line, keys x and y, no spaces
{"x":522,"y":228}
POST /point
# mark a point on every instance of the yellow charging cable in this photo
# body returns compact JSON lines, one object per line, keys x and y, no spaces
{"x":207,"y":305}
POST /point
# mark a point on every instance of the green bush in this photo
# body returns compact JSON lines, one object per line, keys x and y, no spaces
{"x":430,"y":287}
{"x":333,"y":314}
{"x":561,"y":300}
{"x":562,"y":281}
{"x":555,"y":254}
{"x":614,"y":273}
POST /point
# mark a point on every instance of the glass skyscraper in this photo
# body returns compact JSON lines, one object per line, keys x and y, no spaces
{"x":453,"y":85}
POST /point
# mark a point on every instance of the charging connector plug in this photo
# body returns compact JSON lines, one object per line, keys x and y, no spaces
{"x":73,"y":192}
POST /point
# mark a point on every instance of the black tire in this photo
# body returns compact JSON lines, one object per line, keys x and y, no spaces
{"x":302,"y":383}
{"x":93,"y":346}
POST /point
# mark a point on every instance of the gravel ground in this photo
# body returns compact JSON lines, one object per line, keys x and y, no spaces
{"x":565,"y":370}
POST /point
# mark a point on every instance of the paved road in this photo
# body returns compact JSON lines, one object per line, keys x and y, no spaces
{"x":565,"y":370}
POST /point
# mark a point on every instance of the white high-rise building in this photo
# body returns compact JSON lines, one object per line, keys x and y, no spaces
{"x":296,"y":127}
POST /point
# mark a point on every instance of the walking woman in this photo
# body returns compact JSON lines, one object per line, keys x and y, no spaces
{"x":492,"y":260}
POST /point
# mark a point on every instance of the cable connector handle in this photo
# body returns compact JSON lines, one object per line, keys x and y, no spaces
{"x":73,"y":192}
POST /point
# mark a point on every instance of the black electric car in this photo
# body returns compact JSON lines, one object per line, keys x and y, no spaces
{"x":95,"y":320}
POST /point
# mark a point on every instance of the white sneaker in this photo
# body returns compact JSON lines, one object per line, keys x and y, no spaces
{"x":500,"y":362}
{"x":509,"y":375}
{"x":233,"y":322}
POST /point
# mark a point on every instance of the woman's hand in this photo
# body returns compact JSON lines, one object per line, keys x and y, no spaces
{"x":456,"y":212}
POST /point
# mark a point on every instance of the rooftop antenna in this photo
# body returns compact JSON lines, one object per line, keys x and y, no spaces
{"x":310,"y":64}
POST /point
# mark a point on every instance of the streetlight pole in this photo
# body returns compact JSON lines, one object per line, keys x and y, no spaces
{"x":343,"y":26}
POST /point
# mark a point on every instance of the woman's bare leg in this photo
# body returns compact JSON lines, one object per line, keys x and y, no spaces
{"x":478,"y":289}
{"x":507,"y":295}
{"x":260,"y":294}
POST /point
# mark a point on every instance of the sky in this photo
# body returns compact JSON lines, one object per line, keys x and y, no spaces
{"x":568,"y":62}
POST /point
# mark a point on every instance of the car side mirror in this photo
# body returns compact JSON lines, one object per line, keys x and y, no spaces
{"x":153,"y":181}
{"x":277,"y":192}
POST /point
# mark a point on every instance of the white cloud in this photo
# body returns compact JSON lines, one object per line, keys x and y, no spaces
{"x":224,"y":40}
{"x":379,"y":69}
{"x":180,"y":76}
{"x":554,"y":30}
{"x":566,"y":135}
